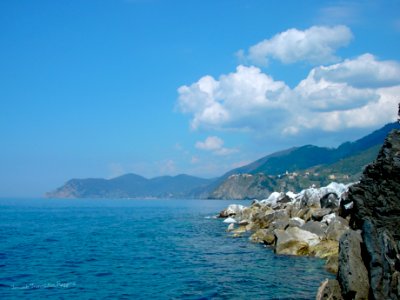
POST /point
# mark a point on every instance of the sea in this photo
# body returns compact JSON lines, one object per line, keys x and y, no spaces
{"x":140,"y":249}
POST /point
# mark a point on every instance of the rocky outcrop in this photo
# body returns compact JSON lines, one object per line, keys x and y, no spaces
{"x":294,"y":224}
{"x":374,"y":207}
{"x":315,"y":222}
{"x":244,"y":186}
{"x":352,"y":274}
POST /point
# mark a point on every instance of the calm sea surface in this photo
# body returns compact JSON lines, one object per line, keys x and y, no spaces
{"x":139,"y":249}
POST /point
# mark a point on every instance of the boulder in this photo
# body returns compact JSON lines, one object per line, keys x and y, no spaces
{"x":284,"y":199}
{"x":312,"y":197}
{"x":294,"y":241}
{"x":280,"y":224}
{"x":329,"y":290}
{"x":296,"y":222}
{"x":318,"y":214}
{"x":273,"y":199}
{"x":299,"y":212}
{"x":265,"y":236}
{"x":264,"y":221}
{"x":325,"y":249}
{"x":329,"y":218}
{"x":308,"y":213}
{"x":336,"y":229}
{"x":383,"y":259}
{"x":232,"y":210}
{"x":352,"y":274}
{"x":330,"y":200}
{"x":317,"y":228}
{"x":230,"y":220}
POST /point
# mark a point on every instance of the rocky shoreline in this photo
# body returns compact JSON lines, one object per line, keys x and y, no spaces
{"x":307,"y":223}
{"x":355,"y":227}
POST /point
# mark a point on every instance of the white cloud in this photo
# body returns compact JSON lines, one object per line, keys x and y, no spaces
{"x":226,"y":102}
{"x":363,"y":72}
{"x":215,"y":145}
{"x":211,"y":143}
{"x":358,"y":93}
{"x":321,"y":94}
{"x":316,"y":44}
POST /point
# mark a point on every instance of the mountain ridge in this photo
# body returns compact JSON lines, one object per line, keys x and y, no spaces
{"x":268,"y":174}
{"x":130,"y":186}
{"x":295,"y":160}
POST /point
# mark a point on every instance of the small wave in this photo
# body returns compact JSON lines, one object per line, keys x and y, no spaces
{"x":211,"y":217}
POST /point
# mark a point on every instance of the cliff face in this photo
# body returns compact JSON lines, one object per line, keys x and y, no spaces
{"x":244,"y":186}
{"x":369,"y":258}
{"x":376,"y":212}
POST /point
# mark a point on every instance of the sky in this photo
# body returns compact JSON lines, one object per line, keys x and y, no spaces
{"x":100,"y":88}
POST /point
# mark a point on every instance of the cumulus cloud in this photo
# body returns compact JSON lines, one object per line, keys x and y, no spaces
{"x":357,"y":93}
{"x":363,"y":72}
{"x":226,"y":102}
{"x":322,"y":94}
{"x":215,"y":145}
{"x":315,"y":45}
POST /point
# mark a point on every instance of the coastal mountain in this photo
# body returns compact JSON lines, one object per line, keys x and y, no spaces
{"x":130,"y":186}
{"x":299,"y":168}
{"x":301,"y":158}
{"x":291,"y":169}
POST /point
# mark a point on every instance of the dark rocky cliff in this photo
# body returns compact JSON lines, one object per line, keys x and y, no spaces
{"x":377,"y":213}
{"x":369,"y":264}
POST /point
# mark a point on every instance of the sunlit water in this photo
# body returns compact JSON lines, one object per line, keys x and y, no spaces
{"x":139,"y":249}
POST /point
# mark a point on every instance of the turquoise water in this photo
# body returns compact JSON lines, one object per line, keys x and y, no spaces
{"x":139,"y":249}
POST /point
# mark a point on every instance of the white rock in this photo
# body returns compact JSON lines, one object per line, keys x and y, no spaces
{"x":230,"y":220}
{"x":272,"y":199}
{"x":231,"y":227}
{"x":234,"y":209}
{"x":291,"y":195}
{"x":296,"y":221}
{"x":312,"y":196}
{"x":289,"y":241}
{"x":329,"y":218}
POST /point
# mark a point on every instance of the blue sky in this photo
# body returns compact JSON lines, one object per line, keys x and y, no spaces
{"x":99,"y":88}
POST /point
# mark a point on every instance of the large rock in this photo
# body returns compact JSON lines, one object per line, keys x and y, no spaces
{"x":294,"y":241}
{"x":376,"y":212}
{"x":336,"y":229}
{"x":318,"y":214}
{"x":383,"y":261}
{"x":232,"y":210}
{"x":265,"y":236}
{"x":330,"y":200}
{"x":312,"y":197}
{"x":296,"y":222}
{"x":317,"y":228}
{"x":325,"y":249}
{"x":352,"y":273}
{"x":230,"y":220}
